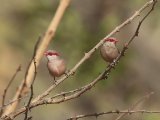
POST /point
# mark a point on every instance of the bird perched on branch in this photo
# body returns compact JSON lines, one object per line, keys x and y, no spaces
{"x":56,"y":65}
{"x":109,"y":50}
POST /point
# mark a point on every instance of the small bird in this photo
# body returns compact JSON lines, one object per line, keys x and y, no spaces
{"x":56,"y":65}
{"x":109,"y":50}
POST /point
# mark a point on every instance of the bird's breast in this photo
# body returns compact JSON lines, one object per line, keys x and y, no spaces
{"x":56,"y":67}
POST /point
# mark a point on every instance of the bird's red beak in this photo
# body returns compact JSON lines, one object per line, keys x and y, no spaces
{"x":45,"y":53}
{"x":116,"y":41}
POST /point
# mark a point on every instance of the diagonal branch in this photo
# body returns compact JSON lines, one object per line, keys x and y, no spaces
{"x":88,"y":54}
{"x":9,"y":103}
{"x":28,"y":104}
{"x":34,"y":77}
{"x":140,"y":23}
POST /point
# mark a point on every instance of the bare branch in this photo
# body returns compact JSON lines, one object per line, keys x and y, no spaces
{"x":40,"y":50}
{"x":2,"y":107}
{"x":126,"y":47}
{"x":135,"y":105}
{"x":113,"y":112}
{"x":140,"y":23}
{"x":7,"y":87}
{"x":102,"y":75}
{"x":123,"y":113}
{"x":31,"y":95}
{"x":28,"y":104}
{"x":23,"y":89}
{"x":66,"y":93}
{"x":88,"y":54}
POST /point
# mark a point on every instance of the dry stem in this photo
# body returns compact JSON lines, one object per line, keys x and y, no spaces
{"x":113,"y":112}
{"x":7,"y":87}
{"x":49,"y":34}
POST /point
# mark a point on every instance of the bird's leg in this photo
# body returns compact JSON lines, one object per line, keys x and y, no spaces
{"x":66,"y":73}
{"x":54,"y":80}
{"x":113,"y":64}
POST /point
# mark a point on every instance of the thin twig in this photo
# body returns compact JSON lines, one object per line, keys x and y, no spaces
{"x":68,"y":92}
{"x":7,"y":87}
{"x":31,"y":94}
{"x":23,"y":88}
{"x":88,"y":54}
{"x":49,"y":34}
{"x":113,"y":112}
{"x":9,"y":103}
{"x":135,"y":105}
{"x":135,"y":35}
{"x":28,"y":104}
{"x":121,"y":115}
{"x":34,"y":77}
{"x":140,"y":22}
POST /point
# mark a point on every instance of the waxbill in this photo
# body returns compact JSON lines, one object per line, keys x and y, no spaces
{"x":56,"y":65}
{"x":109,"y":50}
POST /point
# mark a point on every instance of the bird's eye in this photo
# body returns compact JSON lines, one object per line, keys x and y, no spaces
{"x":112,"y":40}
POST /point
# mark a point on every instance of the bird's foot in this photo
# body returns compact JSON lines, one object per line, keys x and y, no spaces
{"x":66,"y":73}
{"x":113,"y":64}
{"x":54,"y":80}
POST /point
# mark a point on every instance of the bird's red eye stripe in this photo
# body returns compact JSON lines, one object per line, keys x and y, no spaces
{"x":111,"y":40}
{"x":52,"y":53}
